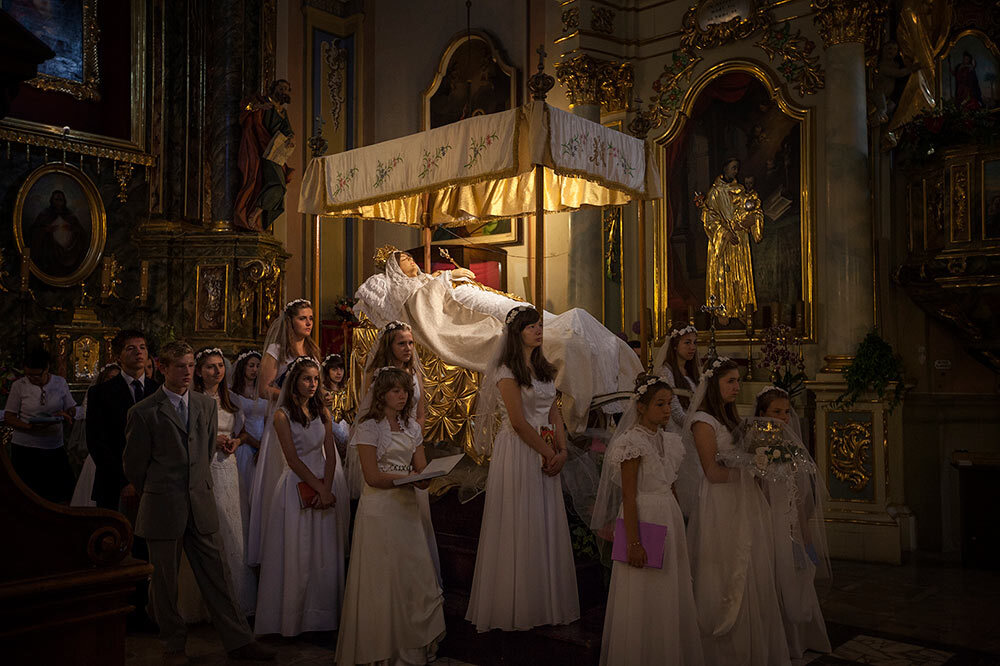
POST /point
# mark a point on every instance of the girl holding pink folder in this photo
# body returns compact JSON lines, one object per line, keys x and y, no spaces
{"x":651,"y":616}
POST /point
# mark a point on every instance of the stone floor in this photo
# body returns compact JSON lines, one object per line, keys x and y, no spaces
{"x":926,"y":613}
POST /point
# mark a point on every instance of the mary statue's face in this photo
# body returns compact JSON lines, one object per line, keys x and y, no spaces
{"x":408,"y":266}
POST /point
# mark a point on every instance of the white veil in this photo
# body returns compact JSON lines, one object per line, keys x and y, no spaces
{"x":661,"y":354}
{"x":381,"y":297}
{"x":271,"y":465}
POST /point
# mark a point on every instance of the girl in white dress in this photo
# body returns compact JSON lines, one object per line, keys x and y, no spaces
{"x":78,"y":441}
{"x":209,"y":378}
{"x":651,"y":616}
{"x":395,"y":348}
{"x":800,"y":552}
{"x":287,"y":339}
{"x":338,"y":400}
{"x":302,"y":566}
{"x":729,"y":536}
{"x":525,"y":574}
{"x":243,"y":389}
{"x":393,"y":607}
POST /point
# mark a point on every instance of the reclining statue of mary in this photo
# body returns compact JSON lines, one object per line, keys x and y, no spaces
{"x":460,"y":321}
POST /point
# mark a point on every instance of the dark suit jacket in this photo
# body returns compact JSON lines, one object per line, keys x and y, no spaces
{"x":168,"y":464}
{"x":107,"y":407}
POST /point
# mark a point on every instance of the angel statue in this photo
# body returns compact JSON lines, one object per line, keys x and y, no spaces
{"x":460,"y":320}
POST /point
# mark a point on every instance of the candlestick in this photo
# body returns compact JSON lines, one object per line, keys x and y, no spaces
{"x":25,"y":269}
{"x":143,"y":281}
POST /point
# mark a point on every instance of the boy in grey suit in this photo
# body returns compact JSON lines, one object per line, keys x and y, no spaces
{"x":170,"y":437}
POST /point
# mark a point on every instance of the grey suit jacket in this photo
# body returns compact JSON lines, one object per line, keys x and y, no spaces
{"x":168,"y":464}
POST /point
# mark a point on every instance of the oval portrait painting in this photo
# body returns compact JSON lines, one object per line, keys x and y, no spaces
{"x":59,"y":219}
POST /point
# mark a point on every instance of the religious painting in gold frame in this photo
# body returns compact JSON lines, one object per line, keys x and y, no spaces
{"x":739,"y":109}
{"x":211,"y":297}
{"x":70,"y":29}
{"x":60,"y":224}
{"x":472,"y":79}
{"x":969,"y":72}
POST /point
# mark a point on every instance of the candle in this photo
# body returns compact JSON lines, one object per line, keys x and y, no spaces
{"x":25,"y":269}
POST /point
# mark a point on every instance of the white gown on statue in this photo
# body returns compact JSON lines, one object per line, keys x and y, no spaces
{"x":732,"y":562}
{"x":525,"y":574}
{"x":393,"y":607}
{"x":651,"y":616}
{"x":234,"y":514}
{"x":302,"y":564}
{"x":457,"y":320}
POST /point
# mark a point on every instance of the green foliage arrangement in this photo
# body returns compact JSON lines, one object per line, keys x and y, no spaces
{"x":874,"y":368}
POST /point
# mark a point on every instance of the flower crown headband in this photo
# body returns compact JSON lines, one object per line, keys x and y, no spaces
{"x":299,"y":361}
{"x":641,"y":389}
{"x":211,"y":351}
{"x":247,"y":354}
{"x":396,"y":326}
{"x":516,"y":311}
{"x":681,"y":332}
{"x":109,"y":366}
{"x":714,"y":365}
{"x":770,"y":389}
{"x":330,"y":357}
{"x":298,"y":301}
{"x":384,"y":368}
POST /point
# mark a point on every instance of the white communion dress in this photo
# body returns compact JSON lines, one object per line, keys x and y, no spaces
{"x":525,"y":574}
{"x":651,"y":616}
{"x":302,"y":562}
{"x":254,"y":416}
{"x":234,"y":513}
{"x":732,"y":562}
{"x":393,"y":606}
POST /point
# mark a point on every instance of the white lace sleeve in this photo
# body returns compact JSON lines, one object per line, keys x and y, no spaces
{"x":273,"y":350}
{"x":707,"y":418}
{"x":673,"y":452}
{"x":366,"y":432}
{"x":503,"y":372}
{"x":633,"y":444}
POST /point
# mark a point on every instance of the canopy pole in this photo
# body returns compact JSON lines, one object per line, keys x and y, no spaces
{"x":315,"y":279}
{"x":643,"y":318}
{"x":425,"y":225}
{"x":539,"y":239}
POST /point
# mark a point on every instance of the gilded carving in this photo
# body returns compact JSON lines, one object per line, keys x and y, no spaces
{"x":712,"y":23}
{"x":602,"y":19}
{"x":252,"y":273}
{"x":960,"y":203}
{"x":123,"y":172}
{"x":667,"y":91}
{"x":86,"y":358}
{"x":589,"y":81}
{"x":798,"y":65}
{"x":335,"y":59}
{"x":268,"y":31}
{"x":212,"y":297}
{"x":70,"y":145}
{"x":847,"y":21}
{"x":270,"y":294}
{"x":570,"y":20}
{"x":540,"y":83}
{"x":88,"y":89}
{"x":850,"y":453}
{"x":111,"y":278}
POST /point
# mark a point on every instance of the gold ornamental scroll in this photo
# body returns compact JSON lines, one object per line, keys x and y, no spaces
{"x":923,"y":30}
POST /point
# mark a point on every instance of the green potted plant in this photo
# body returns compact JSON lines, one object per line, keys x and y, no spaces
{"x":875,"y":369}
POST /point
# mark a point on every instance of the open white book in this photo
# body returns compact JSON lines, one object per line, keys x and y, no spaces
{"x":435,"y":468}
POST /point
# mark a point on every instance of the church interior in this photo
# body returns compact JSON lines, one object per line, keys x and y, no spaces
{"x":800,"y":189}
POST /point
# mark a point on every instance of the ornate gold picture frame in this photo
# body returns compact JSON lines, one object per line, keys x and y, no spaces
{"x":212,"y":297}
{"x":781,"y":142}
{"x":70,"y":29}
{"x":60,"y":224}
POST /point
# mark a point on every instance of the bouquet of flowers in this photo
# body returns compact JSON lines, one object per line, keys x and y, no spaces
{"x":786,"y":366}
{"x":343,"y":312}
{"x":774,"y":452}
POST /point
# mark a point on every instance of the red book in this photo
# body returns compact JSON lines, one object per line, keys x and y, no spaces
{"x":306,"y":494}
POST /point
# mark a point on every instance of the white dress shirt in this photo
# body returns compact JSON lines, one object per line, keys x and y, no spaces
{"x":176,"y":399}
{"x":129,"y":380}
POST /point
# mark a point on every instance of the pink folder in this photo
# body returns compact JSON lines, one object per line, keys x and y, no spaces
{"x":652,"y":537}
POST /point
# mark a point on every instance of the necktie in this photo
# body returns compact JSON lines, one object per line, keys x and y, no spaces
{"x":137,"y":390}
{"x":182,"y":413}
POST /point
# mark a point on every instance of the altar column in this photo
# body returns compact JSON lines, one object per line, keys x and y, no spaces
{"x":846,"y":290}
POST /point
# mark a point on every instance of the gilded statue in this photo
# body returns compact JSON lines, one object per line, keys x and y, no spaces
{"x":922,"y":33}
{"x":731,"y":214}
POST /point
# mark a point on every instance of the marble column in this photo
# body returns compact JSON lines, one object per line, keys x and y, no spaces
{"x":845,"y":300}
{"x":586,"y":256}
